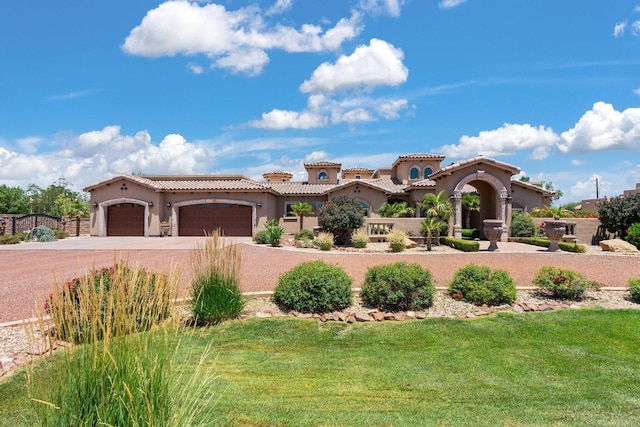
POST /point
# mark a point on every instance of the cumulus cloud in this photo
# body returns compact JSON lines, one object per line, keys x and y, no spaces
{"x":279,"y":7}
{"x":233,"y":39}
{"x":637,"y":91}
{"x":283,"y":119}
{"x":586,"y":189}
{"x":378,"y":64}
{"x":618,"y":29}
{"x":603,"y":128}
{"x":388,"y":7}
{"x":448,"y":4}
{"x":635,"y":28}
{"x":506,"y":140}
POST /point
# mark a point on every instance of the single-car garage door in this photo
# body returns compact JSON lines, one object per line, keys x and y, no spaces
{"x":125,"y":219}
{"x":231,"y":219}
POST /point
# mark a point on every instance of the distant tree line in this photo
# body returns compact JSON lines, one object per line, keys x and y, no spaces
{"x":57,"y":200}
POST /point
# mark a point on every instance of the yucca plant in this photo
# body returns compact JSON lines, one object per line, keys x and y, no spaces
{"x":215,"y":290}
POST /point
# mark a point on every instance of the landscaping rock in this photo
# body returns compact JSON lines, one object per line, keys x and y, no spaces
{"x":263,"y":314}
{"x":421,"y":315}
{"x":411,"y":314}
{"x":617,"y":245}
{"x":409,"y":244}
{"x":363,"y":317}
{"x":399,"y":316}
{"x":377,"y":316}
{"x":351,"y":319}
{"x":518,"y":309}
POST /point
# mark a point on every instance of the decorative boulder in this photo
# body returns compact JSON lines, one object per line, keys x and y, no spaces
{"x":617,"y":245}
{"x":409,"y":244}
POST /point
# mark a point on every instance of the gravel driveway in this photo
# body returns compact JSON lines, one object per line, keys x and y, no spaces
{"x":27,"y":271}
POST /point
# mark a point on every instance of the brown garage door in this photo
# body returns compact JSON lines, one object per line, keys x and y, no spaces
{"x":125,"y":219}
{"x":232,"y":220}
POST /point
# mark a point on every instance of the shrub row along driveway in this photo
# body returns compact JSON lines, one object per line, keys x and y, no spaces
{"x":27,"y":271}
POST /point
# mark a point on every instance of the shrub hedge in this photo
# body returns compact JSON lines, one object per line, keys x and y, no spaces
{"x":565,"y":246}
{"x":460,"y":244}
{"x":398,"y":287}
{"x":634,"y":289}
{"x":261,"y":237}
{"x":314,"y":287}
{"x":480,"y":285}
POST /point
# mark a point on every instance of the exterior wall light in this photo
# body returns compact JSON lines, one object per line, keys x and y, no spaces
{"x":150,"y":204}
{"x":168,"y":204}
{"x":95,"y":204}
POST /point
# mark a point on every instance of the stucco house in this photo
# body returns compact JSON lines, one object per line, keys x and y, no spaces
{"x":136,"y":205}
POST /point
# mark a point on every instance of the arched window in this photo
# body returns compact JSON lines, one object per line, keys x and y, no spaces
{"x":414,"y":173}
{"x":365,"y":206}
{"x":323,"y":175}
{"x":427,"y":172}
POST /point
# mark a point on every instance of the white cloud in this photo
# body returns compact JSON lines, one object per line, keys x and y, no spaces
{"x":637,"y":91}
{"x":388,"y":7}
{"x":283,"y":119}
{"x":618,"y":29}
{"x":195,"y":68}
{"x":637,"y":8}
{"x":506,"y":140}
{"x":316,"y":156}
{"x":279,"y":7}
{"x":29,"y":144}
{"x":448,"y":4}
{"x":391,"y":109}
{"x":576,"y":162}
{"x":378,"y":64}
{"x":603,"y":128}
{"x":635,"y":28}
{"x":582,"y":190}
{"x":234,"y":39}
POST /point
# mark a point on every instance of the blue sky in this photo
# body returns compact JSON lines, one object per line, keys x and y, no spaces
{"x":89,"y":90}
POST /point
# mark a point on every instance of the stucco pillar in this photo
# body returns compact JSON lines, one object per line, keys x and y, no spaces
{"x":457,"y":214}
{"x":503,"y":216}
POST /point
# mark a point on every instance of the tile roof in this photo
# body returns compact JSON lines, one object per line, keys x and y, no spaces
{"x":533,"y":186}
{"x":301,"y":188}
{"x":357,"y":170}
{"x":388,"y":185}
{"x":474,"y":160}
{"x":203,"y":182}
{"x":423,"y":183}
{"x":321,"y":164}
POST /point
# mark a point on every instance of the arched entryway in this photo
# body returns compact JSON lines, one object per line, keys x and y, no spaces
{"x":493,"y":201}
{"x":123,"y":217}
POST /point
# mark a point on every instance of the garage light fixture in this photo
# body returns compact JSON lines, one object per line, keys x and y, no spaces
{"x":95,"y":204}
{"x":168,"y":204}
{"x":259,"y":204}
{"x":150,"y":204}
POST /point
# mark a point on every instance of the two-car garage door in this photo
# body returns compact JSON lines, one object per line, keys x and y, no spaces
{"x":231,"y":219}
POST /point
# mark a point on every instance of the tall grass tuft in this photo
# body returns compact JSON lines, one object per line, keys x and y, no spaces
{"x":215,"y":290}
{"x":116,"y":376}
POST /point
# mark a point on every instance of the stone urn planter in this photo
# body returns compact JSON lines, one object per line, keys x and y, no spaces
{"x":554,"y":229}
{"x":493,"y":231}
{"x":164,"y":229}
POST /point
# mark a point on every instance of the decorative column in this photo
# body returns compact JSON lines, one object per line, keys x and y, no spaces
{"x":457,"y":214}
{"x":504,"y":198}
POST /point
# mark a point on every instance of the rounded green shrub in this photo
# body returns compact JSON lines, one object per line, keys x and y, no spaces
{"x":522,"y":225}
{"x":261,"y":237}
{"x":398,"y":287}
{"x":634,"y":289}
{"x":41,"y":233}
{"x":314,"y":287}
{"x":563,"y":284}
{"x":633,"y":235}
{"x":304,"y":235}
{"x":480,"y":285}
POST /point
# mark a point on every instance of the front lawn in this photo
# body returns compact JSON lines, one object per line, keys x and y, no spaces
{"x":559,"y":368}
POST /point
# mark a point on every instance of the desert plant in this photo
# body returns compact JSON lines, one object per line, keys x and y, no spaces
{"x":9,"y":239}
{"x":437,"y":206}
{"x":396,"y":239}
{"x":300,"y":209}
{"x":634,"y":289}
{"x":398,"y":287}
{"x":340,"y":216}
{"x":471,"y":203}
{"x":481,"y":285}
{"x":563,"y":284}
{"x":360,"y":239}
{"x":115,"y":300}
{"x":324,"y":241}
{"x":40,"y":233}
{"x":314,"y":287}
{"x":633,"y":235}
{"x":274,"y":232}
{"x":396,"y":210}
{"x":304,"y":235}
{"x":261,"y":237}
{"x":522,"y":225}
{"x":215,"y":290}
{"x":60,"y":234}
{"x":430,"y":226}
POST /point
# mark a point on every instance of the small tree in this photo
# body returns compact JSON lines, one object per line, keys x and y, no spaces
{"x":340,"y":217}
{"x":301,"y":209}
{"x":522,"y":225}
{"x":471,"y":202}
{"x":429,"y":226}
{"x":437,"y":206}
{"x":619,"y":214}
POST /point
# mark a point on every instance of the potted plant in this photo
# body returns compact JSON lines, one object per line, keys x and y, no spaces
{"x":165,"y":226}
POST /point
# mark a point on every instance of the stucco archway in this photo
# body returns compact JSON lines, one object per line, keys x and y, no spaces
{"x":103,"y":209}
{"x":499,"y":201}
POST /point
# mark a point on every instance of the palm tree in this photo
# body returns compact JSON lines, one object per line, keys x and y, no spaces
{"x":437,"y":206}
{"x":471,"y":203}
{"x":301,"y":209}
{"x":395,"y":210}
{"x":429,"y":225}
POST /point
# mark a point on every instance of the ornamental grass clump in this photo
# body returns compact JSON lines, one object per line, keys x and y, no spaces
{"x":397,"y":240}
{"x":314,"y":287}
{"x":564,"y":284}
{"x":115,"y":301}
{"x":480,"y":285}
{"x":360,"y":239}
{"x":215,"y":289}
{"x":124,"y":372}
{"x":324,"y":241}
{"x":398,"y":287}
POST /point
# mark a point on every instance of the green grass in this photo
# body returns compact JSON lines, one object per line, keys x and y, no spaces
{"x":558,"y":368}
